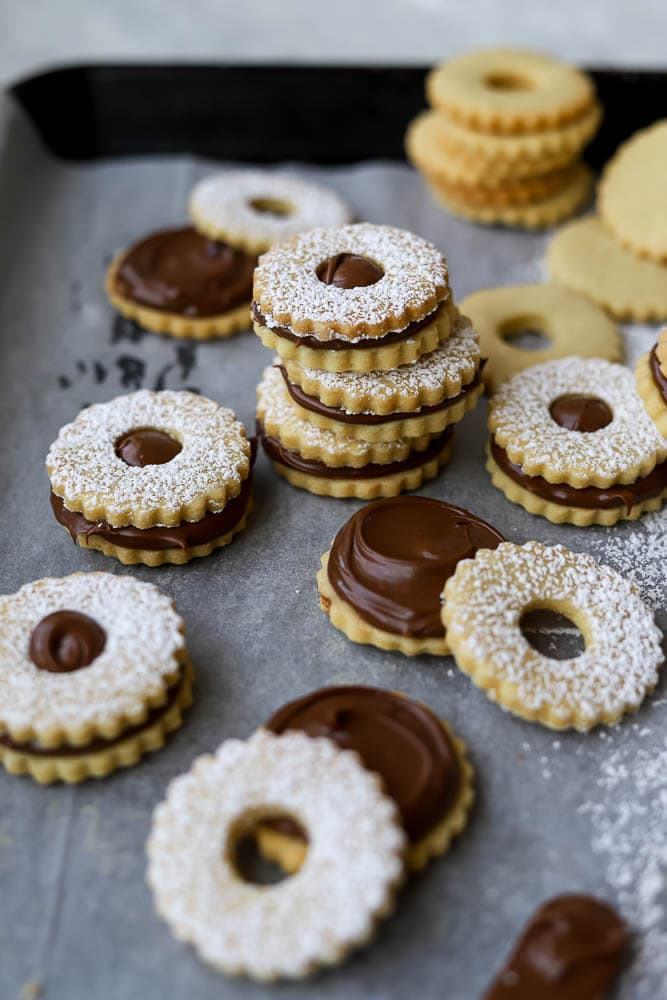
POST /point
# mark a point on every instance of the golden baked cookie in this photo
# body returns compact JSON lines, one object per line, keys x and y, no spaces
{"x":398,"y":738}
{"x":346,"y":886}
{"x":509,"y":91}
{"x":152,"y":477}
{"x":381,"y":580}
{"x":651,"y":379}
{"x":585,"y":257}
{"x":631,"y":199}
{"x":572,"y":324}
{"x":93,"y":674}
{"x":570,"y":440}
{"x":181,"y":283}
{"x":485,"y":601}
{"x":254,"y":209}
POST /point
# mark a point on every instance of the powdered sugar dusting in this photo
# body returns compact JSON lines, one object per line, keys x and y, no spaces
{"x":627,"y":447}
{"x":143,"y":644}
{"x":344,"y":885}
{"x":289,"y":293}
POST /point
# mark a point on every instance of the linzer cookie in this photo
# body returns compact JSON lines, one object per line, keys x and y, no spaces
{"x":354,"y":864}
{"x":93,"y":675}
{"x":152,"y":477}
{"x":573,"y":948}
{"x":352,"y":298}
{"x":632,"y":193}
{"x":336,"y":465}
{"x":484,"y":604}
{"x":651,"y":379}
{"x":423,"y":765}
{"x":381,"y":580}
{"x":571,"y":441}
{"x":254,"y":209}
{"x":571,"y":323}
{"x":180,"y":282}
{"x":423,"y":397}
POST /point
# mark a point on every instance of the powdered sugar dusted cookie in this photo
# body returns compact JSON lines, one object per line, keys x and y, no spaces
{"x":345,"y":885}
{"x":93,"y":674}
{"x":485,"y":600}
{"x":152,"y":477}
{"x":651,"y":379}
{"x":571,"y":440}
{"x":253,"y":209}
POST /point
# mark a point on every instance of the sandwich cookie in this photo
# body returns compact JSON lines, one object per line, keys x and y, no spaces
{"x":651,"y":379}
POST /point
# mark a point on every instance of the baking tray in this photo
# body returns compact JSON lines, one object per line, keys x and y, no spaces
{"x":91,"y":158}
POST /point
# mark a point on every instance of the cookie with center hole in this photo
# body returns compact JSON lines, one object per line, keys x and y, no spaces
{"x":344,"y":887}
{"x":485,"y":601}
{"x":505,"y":319}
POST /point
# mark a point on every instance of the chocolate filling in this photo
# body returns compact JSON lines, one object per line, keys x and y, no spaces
{"x":313,"y":404}
{"x":312,"y":467}
{"x":180,"y":271}
{"x":339,"y":344}
{"x":572,"y":949}
{"x":585,"y":414}
{"x":65,"y":641}
{"x":658,"y":377}
{"x":391,"y":560}
{"x":349,"y":270}
{"x":587,"y":497}
{"x":396,"y":737}
{"x":147,"y":446}
{"x":95,"y":745}
{"x":185,"y":535}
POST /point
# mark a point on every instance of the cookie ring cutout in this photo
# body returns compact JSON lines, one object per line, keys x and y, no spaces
{"x":572,"y":323}
{"x":210,"y":460}
{"x":509,"y":91}
{"x":254,"y":209}
{"x":93,"y":674}
{"x":343,"y":887}
{"x":405,"y":280}
{"x":485,"y":601}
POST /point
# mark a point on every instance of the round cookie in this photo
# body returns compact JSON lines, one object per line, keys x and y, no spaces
{"x":570,"y":440}
{"x":651,"y":379}
{"x":152,"y":477}
{"x":427,"y":396}
{"x":337,"y":465}
{"x":536,"y":214}
{"x":93,"y":675}
{"x":508,"y":91}
{"x":484,"y":602}
{"x":181,"y":283}
{"x":398,"y":738}
{"x":352,"y":298}
{"x":345,"y":886}
{"x":521,"y":192}
{"x":571,"y":322}
{"x":254,"y":209}
{"x":585,"y":257}
{"x":631,"y":197}
{"x":380,"y":582}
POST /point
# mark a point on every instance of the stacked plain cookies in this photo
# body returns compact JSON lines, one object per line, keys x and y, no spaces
{"x":196,"y":281}
{"x":502,"y":142}
{"x":375,"y":362}
{"x":619,"y":258}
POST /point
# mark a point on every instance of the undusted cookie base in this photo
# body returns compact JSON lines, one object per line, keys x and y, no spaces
{"x":654,"y":404}
{"x":348,"y":620}
{"x":289,"y":852}
{"x":161,"y":557}
{"x":537,"y":215}
{"x":78,"y":766}
{"x":585,"y":257}
{"x":572,"y":322}
{"x":510,"y":194}
{"x":558,"y":513}
{"x":367,"y":489}
{"x":174,"y":324}
{"x":361,"y":359}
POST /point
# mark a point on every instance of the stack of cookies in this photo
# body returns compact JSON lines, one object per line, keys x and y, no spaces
{"x":619,"y":260}
{"x":375,"y":363}
{"x":503,"y":141}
